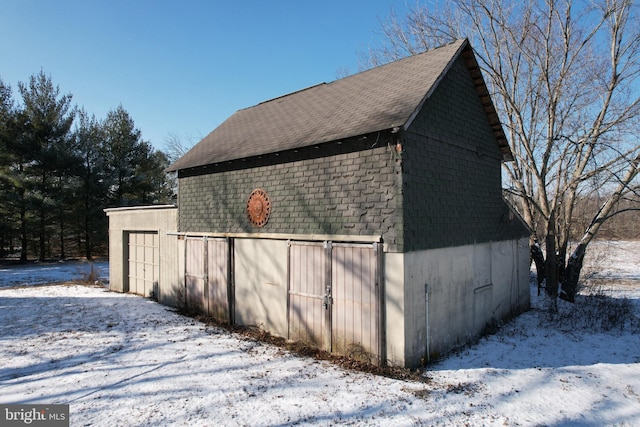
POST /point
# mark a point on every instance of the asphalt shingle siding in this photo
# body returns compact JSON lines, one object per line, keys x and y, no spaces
{"x":452,"y":171}
{"x":353,"y":190}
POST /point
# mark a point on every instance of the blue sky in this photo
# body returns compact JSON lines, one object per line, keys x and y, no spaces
{"x":183,"y":67}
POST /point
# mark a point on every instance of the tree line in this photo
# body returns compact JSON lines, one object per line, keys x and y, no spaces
{"x":61,"y":166}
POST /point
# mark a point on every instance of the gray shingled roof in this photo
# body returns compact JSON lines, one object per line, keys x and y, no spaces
{"x":381,"y":98}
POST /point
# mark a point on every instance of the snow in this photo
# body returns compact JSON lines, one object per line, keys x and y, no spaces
{"x":615,"y":259}
{"x":120,"y":359}
{"x":37,"y":273}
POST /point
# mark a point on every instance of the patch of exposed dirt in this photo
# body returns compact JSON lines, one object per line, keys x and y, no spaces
{"x":308,"y":350}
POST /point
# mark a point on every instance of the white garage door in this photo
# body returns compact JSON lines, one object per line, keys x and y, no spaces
{"x":143,"y":263}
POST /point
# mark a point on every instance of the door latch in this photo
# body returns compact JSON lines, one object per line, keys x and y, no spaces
{"x":326,"y":301}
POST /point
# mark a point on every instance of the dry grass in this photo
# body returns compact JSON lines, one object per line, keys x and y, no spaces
{"x":354,"y":361}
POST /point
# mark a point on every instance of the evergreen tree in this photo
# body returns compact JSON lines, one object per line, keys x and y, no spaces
{"x":48,"y":119}
{"x":150,"y":182}
{"x":8,"y":218}
{"x":13,"y":179}
{"x":92,"y":191}
{"x":135,"y":169}
{"x":122,"y":152}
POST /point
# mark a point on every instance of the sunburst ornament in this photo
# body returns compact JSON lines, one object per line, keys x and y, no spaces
{"x":258,"y":208}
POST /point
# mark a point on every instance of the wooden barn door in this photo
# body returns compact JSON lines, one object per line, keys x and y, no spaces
{"x":207,"y":277}
{"x":308,"y":316}
{"x":334,"y":298}
{"x":217,"y":290}
{"x":356,"y":306}
{"x":194,"y":274}
{"x":143,"y":260}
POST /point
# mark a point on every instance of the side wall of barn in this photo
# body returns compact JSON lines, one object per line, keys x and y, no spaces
{"x":466,"y":253}
{"x":352,"y":190}
{"x":454,"y":294}
{"x":452,"y":184}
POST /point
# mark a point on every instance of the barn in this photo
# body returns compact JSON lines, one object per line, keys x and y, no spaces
{"x":364,"y":216}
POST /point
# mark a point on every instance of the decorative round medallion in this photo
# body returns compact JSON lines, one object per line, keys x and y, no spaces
{"x":258,"y":208}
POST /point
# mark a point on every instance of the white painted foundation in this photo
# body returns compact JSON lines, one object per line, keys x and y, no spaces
{"x":466,"y":287}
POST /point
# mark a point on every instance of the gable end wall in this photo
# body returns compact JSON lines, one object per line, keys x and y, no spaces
{"x":452,"y":171}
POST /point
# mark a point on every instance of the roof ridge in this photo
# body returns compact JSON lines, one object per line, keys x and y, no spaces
{"x":428,"y":51}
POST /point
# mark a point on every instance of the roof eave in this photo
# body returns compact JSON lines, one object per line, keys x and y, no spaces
{"x":487,"y":103}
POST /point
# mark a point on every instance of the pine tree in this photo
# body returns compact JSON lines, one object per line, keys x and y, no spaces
{"x":48,"y":117}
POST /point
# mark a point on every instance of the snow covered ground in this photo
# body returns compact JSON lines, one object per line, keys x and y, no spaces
{"x":35,"y":273}
{"x":122,"y":360}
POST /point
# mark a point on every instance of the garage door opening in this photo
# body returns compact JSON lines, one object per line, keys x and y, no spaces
{"x":143,"y":263}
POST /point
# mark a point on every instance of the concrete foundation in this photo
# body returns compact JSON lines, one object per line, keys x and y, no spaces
{"x":452,"y":294}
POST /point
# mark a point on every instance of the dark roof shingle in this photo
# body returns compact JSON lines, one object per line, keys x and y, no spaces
{"x":377,"y":99}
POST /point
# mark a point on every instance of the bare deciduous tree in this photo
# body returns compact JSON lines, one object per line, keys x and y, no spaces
{"x":176,"y":146}
{"x":565,"y":77}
